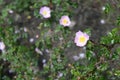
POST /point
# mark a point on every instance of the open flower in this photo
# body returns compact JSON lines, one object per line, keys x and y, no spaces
{"x":45,"y":12}
{"x":65,"y":21}
{"x":2,"y":46}
{"x":81,"y":39}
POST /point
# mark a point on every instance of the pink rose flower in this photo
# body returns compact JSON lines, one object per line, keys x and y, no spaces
{"x":45,"y":12}
{"x":65,"y":21}
{"x":81,"y":39}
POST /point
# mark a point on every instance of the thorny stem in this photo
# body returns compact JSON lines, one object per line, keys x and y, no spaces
{"x":109,"y":47}
{"x":51,"y":4}
{"x":101,"y":59}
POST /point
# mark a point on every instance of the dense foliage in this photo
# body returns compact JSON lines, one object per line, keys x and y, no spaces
{"x":46,"y":55}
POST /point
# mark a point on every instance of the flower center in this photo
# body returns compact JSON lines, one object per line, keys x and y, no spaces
{"x":45,"y":12}
{"x":82,"y":39}
{"x":65,"y":21}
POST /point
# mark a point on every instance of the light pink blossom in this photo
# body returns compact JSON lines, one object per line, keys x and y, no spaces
{"x":65,"y":21}
{"x":45,"y":12}
{"x":81,"y":39}
{"x":2,"y":46}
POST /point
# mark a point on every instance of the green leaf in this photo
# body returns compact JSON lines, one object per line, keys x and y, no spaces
{"x":107,"y":8}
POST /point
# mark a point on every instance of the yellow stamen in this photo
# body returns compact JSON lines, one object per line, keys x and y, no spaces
{"x":45,"y":12}
{"x":65,"y":21}
{"x":82,"y":39}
